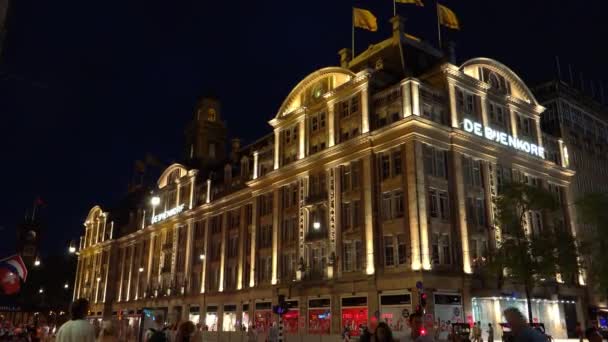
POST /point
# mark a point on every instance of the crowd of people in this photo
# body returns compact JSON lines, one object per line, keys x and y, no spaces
{"x":78,"y":329}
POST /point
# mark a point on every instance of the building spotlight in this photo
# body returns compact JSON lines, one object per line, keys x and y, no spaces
{"x":202,"y":256}
{"x":316,"y":225}
{"x":141,"y":269}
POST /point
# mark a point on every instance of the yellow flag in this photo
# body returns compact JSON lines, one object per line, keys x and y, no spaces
{"x":364,"y":19}
{"x":415,"y":2}
{"x":447,"y":18}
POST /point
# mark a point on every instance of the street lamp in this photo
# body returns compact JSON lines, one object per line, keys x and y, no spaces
{"x":141,"y":269}
{"x":154,"y":201}
{"x":316,"y":225}
{"x":66,"y":286}
{"x":37,"y":262}
{"x":202,"y":256}
{"x":72,"y":247}
{"x":41,"y":290}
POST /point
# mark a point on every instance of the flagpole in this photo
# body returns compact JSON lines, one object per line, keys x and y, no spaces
{"x":438,"y":24}
{"x":352,"y":51}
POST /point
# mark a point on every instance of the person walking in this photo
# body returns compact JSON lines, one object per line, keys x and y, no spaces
{"x":77,"y":329}
{"x":184,"y":332}
{"x":383,"y":333}
{"x":522,"y":332}
{"x":490,"y":333}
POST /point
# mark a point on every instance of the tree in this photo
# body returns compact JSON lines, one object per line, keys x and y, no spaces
{"x":524,"y":257}
{"x":592,"y":213}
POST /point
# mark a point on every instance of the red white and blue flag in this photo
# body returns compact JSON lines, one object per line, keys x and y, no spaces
{"x":12,"y":272}
{"x":15,"y":265}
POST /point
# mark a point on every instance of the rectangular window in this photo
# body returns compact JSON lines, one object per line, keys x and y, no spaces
{"x":354,"y":104}
{"x":398,"y":203}
{"x":435,"y":249}
{"x":386,"y":206}
{"x":397,"y":163}
{"x":389,"y":251}
{"x":356,"y":213}
{"x":433,"y":212}
{"x":359,"y":261}
{"x":385,"y":166}
{"x":346,"y":216}
{"x":445,"y":250}
{"x":401,"y":249}
{"x":355,"y":174}
{"x":349,"y":257}
{"x":444,"y":205}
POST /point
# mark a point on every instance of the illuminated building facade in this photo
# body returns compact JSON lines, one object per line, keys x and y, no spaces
{"x":369,"y":183}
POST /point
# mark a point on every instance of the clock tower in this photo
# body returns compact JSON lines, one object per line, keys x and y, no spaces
{"x":206,"y":135}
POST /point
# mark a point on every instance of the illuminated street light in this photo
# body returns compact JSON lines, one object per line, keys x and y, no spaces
{"x":316,"y":225}
{"x":72,"y":247}
{"x":202,"y":256}
{"x":155,"y":200}
{"x":141,"y":269}
{"x":66,"y":286}
{"x":41,"y":290}
{"x":98,"y":279}
{"x":37,"y":262}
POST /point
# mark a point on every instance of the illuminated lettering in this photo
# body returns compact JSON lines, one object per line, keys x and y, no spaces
{"x":503,"y":138}
{"x":165,"y":215}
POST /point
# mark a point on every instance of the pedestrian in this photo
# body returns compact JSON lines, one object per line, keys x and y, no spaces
{"x":77,"y":329}
{"x":520,"y":329}
{"x":107,"y":333}
{"x":364,"y":334}
{"x":346,"y":334}
{"x":158,"y":333}
{"x":383,"y":333}
{"x":251,"y":335}
{"x":477,"y":332}
{"x":490,"y":333}
{"x":273,"y":333}
{"x":579,"y":331}
{"x":593,"y":335}
{"x":184,"y":332}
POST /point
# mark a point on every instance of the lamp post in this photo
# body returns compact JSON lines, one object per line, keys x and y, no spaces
{"x":72,"y":247}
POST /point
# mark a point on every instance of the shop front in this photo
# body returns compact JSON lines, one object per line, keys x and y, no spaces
{"x":229,"y":318}
{"x":291,"y":318}
{"x":354,"y":314}
{"x":319,"y":316}
{"x":263,"y":316}
{"x":552,"y":313}
{"x":195,"y":315}
{"x":211,"y":318}
{"x":395,"y":309}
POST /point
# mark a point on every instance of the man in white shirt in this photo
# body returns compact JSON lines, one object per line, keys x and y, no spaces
{"x":77,"y":329}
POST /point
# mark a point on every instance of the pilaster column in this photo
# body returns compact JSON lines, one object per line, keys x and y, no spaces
{"x":97,"y":224}
{"x":302,"y":138}
{"x":77,"y":282}
{"x":513,"y":118}
{"x":174,"y":240}
{"x":208,"y":191}
{"x":422,"y":212}
{"x":572,"y":218}
{"x":132,"y":256}
{"x":277,"y":147}
{"x":483,"y":101}
{"x":103,"y":231}
{"x":365,"y":109}
{"x":255,"y":165}
{"x":96,"y":275}
{"x":189,"y":247}
{"x":177,"y":192}
{"x":453,"y":108}
{"x":331,"y":124}
{"x":192,"y":187}
{"x":205,"y":261}
{"x":254,"y":228}
{"x":241,"y":261}
{"x":107,"y":271}
{"x":461,"y":212}
{"x":276,"y":205}
{"x":491,"y":187}
{"x":150,"y":261}
{"x":223,"y":251}
{"x":539,"y":133}
{"x":369,"y":213}
{"x":412,"y":203}
{"x":335,"y":210}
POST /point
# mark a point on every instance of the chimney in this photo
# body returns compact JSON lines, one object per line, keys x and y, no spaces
{"x":345,"y":57}
{"x":234,"y":152}
{"x":398,"y":24}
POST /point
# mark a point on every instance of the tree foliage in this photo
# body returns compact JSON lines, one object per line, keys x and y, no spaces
{"x":592,"y":212}
{"x":523,"y":257}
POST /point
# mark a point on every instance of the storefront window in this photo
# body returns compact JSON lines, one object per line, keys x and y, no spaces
{"x":395,"y":310}
{"x":354,"y":314}
{"x":263,"y":317}
{"x":319,"y":316}
{"x":211,"y":318}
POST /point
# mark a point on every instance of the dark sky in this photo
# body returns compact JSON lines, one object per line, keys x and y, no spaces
{"x":88,"y":87}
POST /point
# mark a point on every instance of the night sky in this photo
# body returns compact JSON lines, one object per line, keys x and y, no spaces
{"x":88,"y":87}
